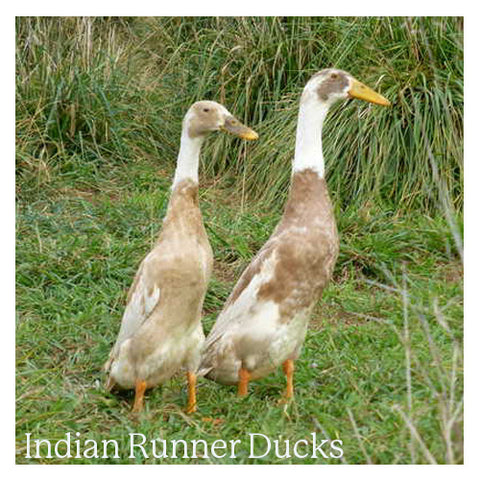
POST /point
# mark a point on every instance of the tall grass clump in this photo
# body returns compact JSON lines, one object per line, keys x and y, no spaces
{"x":79,"y":103}
{"x":109,"y":89}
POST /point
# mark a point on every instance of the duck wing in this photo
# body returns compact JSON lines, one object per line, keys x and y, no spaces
{"x":143,"y":297}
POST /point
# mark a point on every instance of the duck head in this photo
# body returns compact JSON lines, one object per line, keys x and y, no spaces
{"x":207,"y":116}
{"x":331,"y":85}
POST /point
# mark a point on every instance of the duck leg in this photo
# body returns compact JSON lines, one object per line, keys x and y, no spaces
{"x":288,"y":370}
{"x":140,"y":387}
{"x":244,"y":378}
{"x":192,"y":398}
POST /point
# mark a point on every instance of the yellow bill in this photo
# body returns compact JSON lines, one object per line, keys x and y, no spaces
{"x":362,"y":92}
{"x":233,"y":126}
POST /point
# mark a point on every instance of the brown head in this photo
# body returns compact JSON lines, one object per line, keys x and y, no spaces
{"x":206,"y":116}
{"x":331,"y":84}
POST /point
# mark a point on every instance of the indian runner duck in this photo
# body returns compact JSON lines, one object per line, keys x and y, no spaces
{"x":264,"y":321}
{"x":161,"y":331}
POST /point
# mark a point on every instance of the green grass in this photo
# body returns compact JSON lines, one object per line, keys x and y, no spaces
{"x":109,"y":90}
{"x":78,"y":251}
{"x":99,"y":105}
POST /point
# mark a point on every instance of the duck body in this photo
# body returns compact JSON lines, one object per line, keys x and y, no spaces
{"x":161,"y":331}
{"x":265,"y":319}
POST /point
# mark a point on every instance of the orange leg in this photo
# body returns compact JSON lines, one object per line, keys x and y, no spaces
{"x":192,"y":398}
{"x":288,"y":370}
{"x":140,"y":387}
{"x":244,"y":378}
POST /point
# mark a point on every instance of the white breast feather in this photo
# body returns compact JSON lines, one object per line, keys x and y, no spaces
{"x":255,"y":321}
{"x":246,"y":308}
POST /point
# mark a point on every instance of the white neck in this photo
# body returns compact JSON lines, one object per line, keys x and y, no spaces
{"x":308,"y":146}
{"x":188,"y":157}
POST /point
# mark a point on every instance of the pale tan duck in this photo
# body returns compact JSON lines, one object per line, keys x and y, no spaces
{"x":264,"y":321}
{"x":161,"y":332}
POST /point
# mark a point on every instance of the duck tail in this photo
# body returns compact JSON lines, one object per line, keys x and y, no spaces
{"x":109,"y":384}
{"x":203,"y":370}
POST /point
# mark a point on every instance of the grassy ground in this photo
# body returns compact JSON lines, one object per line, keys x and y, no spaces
{"x":97,"y":132}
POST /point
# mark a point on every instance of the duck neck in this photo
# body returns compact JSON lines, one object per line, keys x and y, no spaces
{"x":188,"y":157}
{"x":308,"y":146}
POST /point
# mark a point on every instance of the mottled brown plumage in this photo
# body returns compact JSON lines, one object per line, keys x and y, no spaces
{"x":161,"y":331}
{"x":294,"y":265}
{"x":264,"y":321}
{"x":178,"y":268}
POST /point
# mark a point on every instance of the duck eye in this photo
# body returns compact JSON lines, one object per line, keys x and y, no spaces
{"x":206,"y":109}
